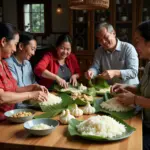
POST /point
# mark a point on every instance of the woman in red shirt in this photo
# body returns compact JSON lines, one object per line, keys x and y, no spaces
{"x":59,"y":66}
{"x":9,"y":92}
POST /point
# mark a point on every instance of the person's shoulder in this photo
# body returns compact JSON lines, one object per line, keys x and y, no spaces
{"x":9,"y":60}
{"x":49,"y":54}
{"x":127,"y":45}
{"x":99,"y":50}
{"x":27,"y":62}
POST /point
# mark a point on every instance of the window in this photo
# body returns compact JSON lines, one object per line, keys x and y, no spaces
{"x":32,"y":17}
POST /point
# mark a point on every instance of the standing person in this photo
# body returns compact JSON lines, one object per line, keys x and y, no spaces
{"x":129,"y":95}
{"x":19,"y":64}
{"x":9,"y":92}
{"x":114,"y":60}
{"x":59,"y":66}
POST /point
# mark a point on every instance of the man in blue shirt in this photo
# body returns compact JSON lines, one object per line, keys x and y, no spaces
{"x":22,"y":72}
{"x":114,"y":60}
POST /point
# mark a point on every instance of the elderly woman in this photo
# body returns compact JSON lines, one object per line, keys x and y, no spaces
{"x":19,"y":64}
{"x":59,"y":66}
{"x":128,"y":94}
{"x":9,"y":92}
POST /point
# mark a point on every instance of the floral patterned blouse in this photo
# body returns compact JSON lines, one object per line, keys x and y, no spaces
{"x":7,"y":83}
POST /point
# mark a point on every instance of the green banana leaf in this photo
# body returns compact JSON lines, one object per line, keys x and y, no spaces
{"x":99,"y":84}
{"x":58,"y":88}
{"x":90,"y":91}
{"x":122,"y":115}
{"x":73,"y":131}
{"x":52,"y":111}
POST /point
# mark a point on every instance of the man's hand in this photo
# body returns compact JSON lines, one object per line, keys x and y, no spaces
{"x":89,"y":74}
{"x":110,"y":74}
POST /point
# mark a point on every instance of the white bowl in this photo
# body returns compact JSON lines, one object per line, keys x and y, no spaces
{"x":29,"y":124}
{"x":9,"y":114}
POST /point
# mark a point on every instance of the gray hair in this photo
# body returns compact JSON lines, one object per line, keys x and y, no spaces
{"x":106,"y":25}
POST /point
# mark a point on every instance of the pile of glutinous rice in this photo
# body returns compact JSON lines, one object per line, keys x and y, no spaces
{"x":52,"y":100}
{"x":114,"y":105}
{"x":42,"y":126}
{"x":102,"y":126}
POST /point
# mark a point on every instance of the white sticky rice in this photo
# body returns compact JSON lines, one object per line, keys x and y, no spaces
{"x":102,"y":126}
{"x":52,"y":100}
{"x":41,"y":126}
{"x":113,"y":105}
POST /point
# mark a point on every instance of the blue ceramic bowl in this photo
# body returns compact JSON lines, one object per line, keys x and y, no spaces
{"x":9,"y":114}
{"x":29,"y":124}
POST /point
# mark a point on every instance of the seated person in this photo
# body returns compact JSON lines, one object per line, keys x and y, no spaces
{"x":114,"y":60}
{"x":9,"y":92}
{"x":19,"y":64}
{"x":139,"y":95}
{"x":59,"y":66}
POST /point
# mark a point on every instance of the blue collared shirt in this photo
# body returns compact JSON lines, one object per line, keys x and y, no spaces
{"x":124,"y":58}
{"x":21,"y":72}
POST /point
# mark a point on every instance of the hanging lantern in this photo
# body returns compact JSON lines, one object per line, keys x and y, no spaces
{"x":88,"y":4}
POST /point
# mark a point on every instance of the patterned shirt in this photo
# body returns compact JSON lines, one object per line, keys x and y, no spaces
{"x":124,"y":58}
{"x":7,"y":83}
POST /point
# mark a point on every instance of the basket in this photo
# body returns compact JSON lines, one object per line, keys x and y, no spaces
{"x":88,"y":4}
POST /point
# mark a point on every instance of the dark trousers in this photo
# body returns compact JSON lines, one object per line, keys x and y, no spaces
{"x":146,"y":138}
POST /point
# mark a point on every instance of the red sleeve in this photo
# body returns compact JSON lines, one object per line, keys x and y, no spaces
{"x":42,"y":65}
{"x":76,"y":65}
{"x":1,"y":85}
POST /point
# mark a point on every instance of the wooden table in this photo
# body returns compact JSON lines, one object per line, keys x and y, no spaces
{"x":15,"y":136}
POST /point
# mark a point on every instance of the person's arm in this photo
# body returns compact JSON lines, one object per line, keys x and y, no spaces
{"x":41,"y":67}
{"x":49,"y":75}
{"x":26,"y":88}
{"x":133,"y":89}
{"x":12,"y":97}
{"x":142,"y":101}
{"x":95,"y":68}
{"x":132,"y":64}
{"x":118,"y":88}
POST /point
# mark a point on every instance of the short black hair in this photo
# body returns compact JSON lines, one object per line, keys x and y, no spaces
{"x":63,"y":38}
{"x":144,"y":30}
{"x":8,"y":31}
{"x":26,"y":37}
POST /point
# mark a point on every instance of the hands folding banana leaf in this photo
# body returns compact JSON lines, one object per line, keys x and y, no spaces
{"x":122,"y":115}
{"x":90,"y":91}
{"x":101,"y":86}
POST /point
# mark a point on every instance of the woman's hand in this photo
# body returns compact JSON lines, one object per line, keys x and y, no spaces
{"x":38,"y":96}
{"x":126,"y":98}
{"x":118,"y":88}
{"x":73,"y":80}
{"x":61,"y":82}
{"x":37,"y":87}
